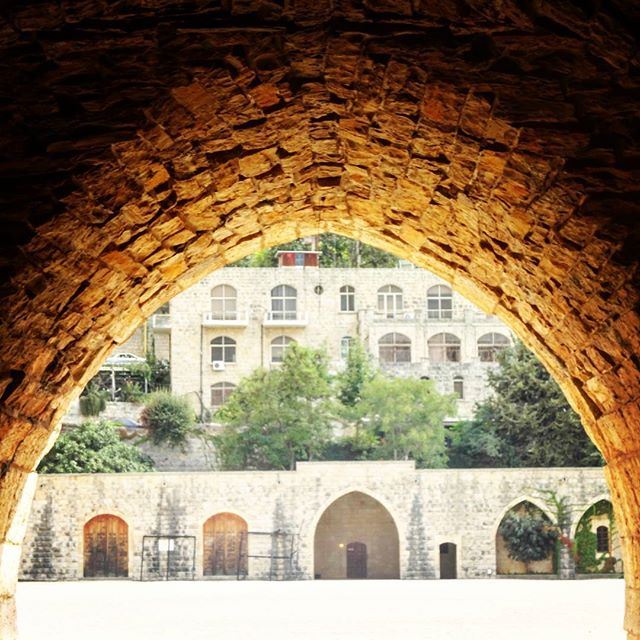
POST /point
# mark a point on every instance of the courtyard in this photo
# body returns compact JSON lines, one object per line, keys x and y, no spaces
{"x":368,"y":610}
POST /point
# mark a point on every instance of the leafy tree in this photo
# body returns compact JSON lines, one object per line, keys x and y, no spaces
{"x":530,"y":417}
{"x":93,"y":400}
{"x":276,"y":417}
{"x":169,"y":418}
{"x":335,"y":251}
{"x":93,"y":447}
{"x":358,"y":371}
{"x":407,"y":418}
{"x":528,"y":535}
{"x":472,"y":445}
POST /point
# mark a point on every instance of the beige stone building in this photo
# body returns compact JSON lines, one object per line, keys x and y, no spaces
{"x":238,"y":319}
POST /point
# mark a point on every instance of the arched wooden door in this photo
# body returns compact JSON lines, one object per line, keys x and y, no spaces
{"x":356,"y":561}
{"x":225,"y":545}
{"x":106,"y":547}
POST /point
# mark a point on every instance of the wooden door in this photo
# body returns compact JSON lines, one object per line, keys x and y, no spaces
{"x":106,"y":547}
{"x":225,"y":545}
{"x":356,"y":561}
{"x":448,"y":561}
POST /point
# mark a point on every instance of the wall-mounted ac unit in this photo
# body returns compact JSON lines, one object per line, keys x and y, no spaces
{"x":217,"y":365}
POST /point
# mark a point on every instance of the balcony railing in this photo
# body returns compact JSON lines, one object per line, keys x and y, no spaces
{"x":285,"y":319}
{"x":161,"y":322}
{"x":226,"y":319}
{"x":407,"y":315}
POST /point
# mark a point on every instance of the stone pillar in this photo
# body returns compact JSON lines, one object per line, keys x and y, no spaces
{"x":17,"y":487}
{"x":566,"y":563}
{"x":623,"y":475}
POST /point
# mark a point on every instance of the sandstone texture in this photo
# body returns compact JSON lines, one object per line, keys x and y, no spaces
{"x":146,"y":144}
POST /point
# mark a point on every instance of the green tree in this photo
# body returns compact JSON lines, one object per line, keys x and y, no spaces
{"x":169,"y":418}
{"x":335,"y":251}
{"x":530,"y":416}
{"x":472,"y":445}
{"x":276,"y":417}
{"x":93,"y":447}
{"x":357,"y":372}
{"x":528,"y":535}
{"x":406,"y":416}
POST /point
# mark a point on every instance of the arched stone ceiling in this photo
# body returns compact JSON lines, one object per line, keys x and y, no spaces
{"x":495,"y":143}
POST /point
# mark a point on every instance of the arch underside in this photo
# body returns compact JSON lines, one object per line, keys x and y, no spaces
{"x":495,"y":146}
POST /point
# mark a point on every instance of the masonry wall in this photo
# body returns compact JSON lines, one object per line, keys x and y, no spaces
{"x":429,"y":507}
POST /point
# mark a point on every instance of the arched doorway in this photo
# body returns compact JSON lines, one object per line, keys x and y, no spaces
{"x":597,"y":541}
{"x":224,"y":545}
{"x":531,"y":523}
{"x":106,"y":547}
{"x":356,"y":538}
{"x":448,"y":561}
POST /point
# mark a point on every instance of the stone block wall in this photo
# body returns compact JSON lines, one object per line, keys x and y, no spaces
{"x":429,"y":507}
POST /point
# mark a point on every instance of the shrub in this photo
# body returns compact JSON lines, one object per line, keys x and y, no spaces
{"x":93,"y":402}
{"x":93,"y":447}
{"x":528,"y":536}
{"x":168,"y":418}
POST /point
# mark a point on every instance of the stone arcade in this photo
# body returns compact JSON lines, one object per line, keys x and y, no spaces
{"x":148,"y":144}
{"x":333,"y":520}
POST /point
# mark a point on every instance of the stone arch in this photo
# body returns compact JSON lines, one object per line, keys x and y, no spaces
{"x":510,"y":182}
{"x":507,"y":565}
{"x":537,"y":502}
{"x":105,"y":547}
{"x":356,"y":532}
{"x":580,"y":511}
{"x":609,"y":558}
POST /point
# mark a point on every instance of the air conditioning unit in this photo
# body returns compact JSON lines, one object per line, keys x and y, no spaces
{"x":217,"y":365}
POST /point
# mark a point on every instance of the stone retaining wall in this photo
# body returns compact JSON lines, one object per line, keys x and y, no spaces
{"x":429,"y":507}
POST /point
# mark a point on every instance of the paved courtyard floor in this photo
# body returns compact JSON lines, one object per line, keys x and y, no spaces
{"x":327,"y":610}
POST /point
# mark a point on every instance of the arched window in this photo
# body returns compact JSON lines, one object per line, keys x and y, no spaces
{"x":345,"y":346}
{"x":458,"y":387}
{"x":439,"y":303}
{"x":279,"y":346}
{"x":220,"y":392}
{"x":390,"y":300}
{"x":394,"y":348}
{"x":223,"y":349}
{"x":444,"y":347}
{"x":602,"y":539}
{"x":490,"y":344}
{"x":347,"y":298}
{"x":224,"y":301}
{"x":284,"y":302}
{"x":106,"y":547}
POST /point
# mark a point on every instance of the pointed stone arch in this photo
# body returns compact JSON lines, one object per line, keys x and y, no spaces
{"x":356,"y":537}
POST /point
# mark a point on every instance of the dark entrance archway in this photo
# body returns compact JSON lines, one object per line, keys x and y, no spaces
{"x":356,"y":561}
{"x":448,"y":561}
{"x":493,"y":143}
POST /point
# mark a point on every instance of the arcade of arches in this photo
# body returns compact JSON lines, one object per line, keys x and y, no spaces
{"x":493,"y":142}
